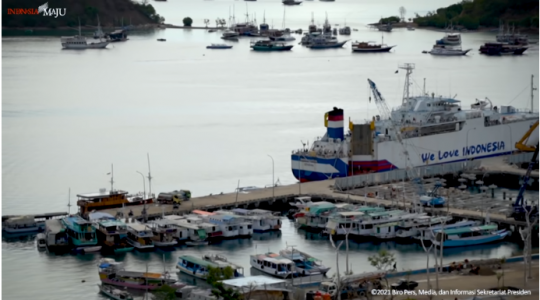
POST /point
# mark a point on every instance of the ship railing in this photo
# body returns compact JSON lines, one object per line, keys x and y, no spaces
{"x":364,"y":180}
{"x":519,"y":158}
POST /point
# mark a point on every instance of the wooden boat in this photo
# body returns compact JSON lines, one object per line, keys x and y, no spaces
{"x":112,"y":234}
{"x":370,"y":47}
{"x":113,"y":273}
{"x":103,"y":199}
{"x":140,"y":236}
{"x":163,"y":233}
{"x":501,"y":49}
{"x":82,"y":234}
{"x":469,"y":236}
{"x":114,"y":293}
{"x":198,"y":267}
{"x":322,"y":43}
{"x":270,"y":46}
{"x":219,"y":46}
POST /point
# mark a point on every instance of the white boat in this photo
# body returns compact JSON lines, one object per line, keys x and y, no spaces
{"x":426,"y":234}
{"x":88,"y":249}
{"x":230,"y":35}
{"x":114,"y":293}
{"x":182,"y":233}
{"x":273,"y":264}
{"x":412,"y":228}
{"x":80,"y":42}
{"x":196,"y":234}
{"x":261,"y":220}
{"x":469,"y":236}
{"x":448,"y":51}
{"x":450,"y":38}
{"x":139,"y":236}
{"x":22,"y":224}
{"x":283,"y":38}
{"x":198,"y":267}
{"x":163,"y":233}
{"x":302,"y":202}
{"x":306,"y":265}
{"x":435,"y":130}
{"x":410,"y":28}
{"x":41,"y":241}
{"x":219,"y":46}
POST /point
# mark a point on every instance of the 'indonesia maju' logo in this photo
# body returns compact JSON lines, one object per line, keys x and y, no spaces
{"x":47,"y":12}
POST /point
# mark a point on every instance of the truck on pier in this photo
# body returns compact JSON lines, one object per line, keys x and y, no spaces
{"x":351,"y":286}
{"x":174,"y":197}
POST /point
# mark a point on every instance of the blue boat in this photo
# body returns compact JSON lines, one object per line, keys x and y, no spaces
{"x":433,"y":198}
{"x":469,"y":236}
{"x":81,"y":234}
{"x":198,"y":267}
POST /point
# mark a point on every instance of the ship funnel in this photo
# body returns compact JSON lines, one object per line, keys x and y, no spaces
{"x":333,"y":120}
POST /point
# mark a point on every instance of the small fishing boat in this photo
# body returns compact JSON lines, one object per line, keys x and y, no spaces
{"x":410,"y":28}
{"x":469,"y":236}
{"x":427,"y":234}
{"x":282,"y":38}
{"x":305,"y":264}
{"x":161,"y":40}
{"x":219,"y":46}
{"x":196,"y":243}
{"x":370,"y":47}
{"x":442,"y":50}
{"x":385,"y":27}
{"x":270,"y":46}
{"x":114,"y":293}
{"x":291,"y":2}
{"x":230,"y":35}
{"x":41,"y":241}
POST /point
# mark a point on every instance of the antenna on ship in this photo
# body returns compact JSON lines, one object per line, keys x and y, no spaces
{"x":112,"y":175}
{"x":532,"y":93}
{"x":424,"y":90}
{"x":409,"y":67}
{"x":149,"y":178}
{"x":69,"y":201}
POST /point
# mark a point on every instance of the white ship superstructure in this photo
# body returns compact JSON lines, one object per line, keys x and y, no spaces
{"x":435,"y":130}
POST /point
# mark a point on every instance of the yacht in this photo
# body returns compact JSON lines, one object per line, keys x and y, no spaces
{"x":448,"y":51}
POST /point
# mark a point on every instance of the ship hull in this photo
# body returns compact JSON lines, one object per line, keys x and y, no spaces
{"x":473,"y":141}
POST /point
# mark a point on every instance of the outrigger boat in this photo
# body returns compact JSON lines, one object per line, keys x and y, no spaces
{"x":113,"y":273}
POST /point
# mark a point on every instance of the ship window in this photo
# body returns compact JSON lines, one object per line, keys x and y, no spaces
{"x":429,"y":105}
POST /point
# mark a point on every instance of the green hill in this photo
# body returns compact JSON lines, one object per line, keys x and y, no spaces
{"x":474,"y":14}
{"x":110,"y":12}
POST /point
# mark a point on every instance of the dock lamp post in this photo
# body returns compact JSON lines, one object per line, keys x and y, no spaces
{"x":144,"y":196}
{"x":492,"y":187}
{"x":273,"y":184}
{"x":484,"y":189}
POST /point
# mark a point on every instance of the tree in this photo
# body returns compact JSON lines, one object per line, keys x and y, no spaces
{"x":187,"y":21}
{"x":383,"y":261}
{"x":502,"y":262}
{"x":218,"y":289}
{"x":427,"y":250}
{"x":221,"y":292}
{"x":526,"y":235}
{"x":402,"y":12}
{"x":165,"y":292}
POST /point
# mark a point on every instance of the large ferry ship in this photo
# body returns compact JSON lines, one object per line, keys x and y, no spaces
{"x":435,"y":130}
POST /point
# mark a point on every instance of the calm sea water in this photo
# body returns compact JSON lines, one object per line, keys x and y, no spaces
{"x":207,"y":119}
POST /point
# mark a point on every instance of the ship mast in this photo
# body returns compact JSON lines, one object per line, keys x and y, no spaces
{"x":532,"y":93}
{"x":409,"y":67}
{"x":112,"y":175}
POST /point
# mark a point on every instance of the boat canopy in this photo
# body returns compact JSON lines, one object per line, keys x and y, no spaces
{"x":198,"y":261}
{"x":468,"y":229}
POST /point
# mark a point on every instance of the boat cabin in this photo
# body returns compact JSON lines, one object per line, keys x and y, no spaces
{"x":80,"y":231}
{"x":273,"y":264}
{"x":41,"y":241}
{"x":91,"y":201}
{"x":139,"y":235}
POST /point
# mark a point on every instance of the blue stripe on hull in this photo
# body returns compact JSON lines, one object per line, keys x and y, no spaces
{"x":306,"y":175}
{"x":342,"y":167}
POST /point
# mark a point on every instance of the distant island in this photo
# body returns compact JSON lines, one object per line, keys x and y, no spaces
{"x":472,"y":15}
{"x":111,"y":13}
{"x":475,"y":14}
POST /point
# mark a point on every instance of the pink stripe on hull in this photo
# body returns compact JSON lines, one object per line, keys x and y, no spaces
{"x":136,"y":286}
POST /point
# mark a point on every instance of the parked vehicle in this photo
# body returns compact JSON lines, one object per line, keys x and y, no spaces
{"x":403,"y":285}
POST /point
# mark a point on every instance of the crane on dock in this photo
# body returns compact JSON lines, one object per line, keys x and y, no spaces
{"x":413,"y":173}
{"x":519,"y":208}
{"x":527,"y":142}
